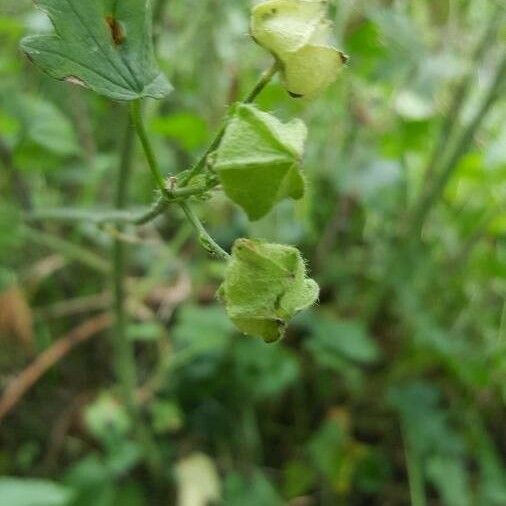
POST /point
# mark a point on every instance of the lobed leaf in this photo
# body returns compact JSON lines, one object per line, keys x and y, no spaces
{"x":104,"y":45}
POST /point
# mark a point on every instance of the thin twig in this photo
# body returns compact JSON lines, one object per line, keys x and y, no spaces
{"x":205,"y":238}
{"x":136,"y":116}
{"x":124,"y":353}
{"x":67,"y":249}
{"x":250,"y":97}
{"x":47,"y":359}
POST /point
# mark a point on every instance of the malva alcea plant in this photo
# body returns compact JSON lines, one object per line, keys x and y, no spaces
{"x":256,"y":159}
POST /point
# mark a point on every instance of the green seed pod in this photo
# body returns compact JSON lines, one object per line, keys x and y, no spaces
{"x":258,"y":161}
{"x":265,"y":286}
{"x":297,"y":33}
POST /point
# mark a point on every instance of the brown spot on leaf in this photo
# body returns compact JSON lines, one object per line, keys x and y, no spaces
{"x":75,"y":80}
{"x":344,"y":58}
{"x":117,"y":32}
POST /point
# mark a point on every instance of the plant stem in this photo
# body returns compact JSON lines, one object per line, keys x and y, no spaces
{"x":461,"y":93}
{"x":136,"y":115}
{"x":135,"y":217}
{"x":18,"y":184}
{"x":463,"y":145}
{"x":67,"y":249}
{"x":250,"y":97}
{"x":205,"y":239}
{"x":124,"y":352}
{"x":415,"y":474}
{"x":99,"y":216}
{"x":264,"y":80}
{"x":158,"y":208}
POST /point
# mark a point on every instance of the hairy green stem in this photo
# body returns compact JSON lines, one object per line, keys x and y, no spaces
{"x":96,"y":216}
{"x":139,"y":216}
{"x":158,"y":208}
{"x":205,"y":239}
{"x":124,"y":352}
{"x":250,"y":97}
{"x":136,"y":115}
{"x":264,"y":80}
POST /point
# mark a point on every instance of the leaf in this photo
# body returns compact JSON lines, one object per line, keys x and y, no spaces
{"x":258,"y":161}
{"x":250,"y":489}
{"x":106,"y":418}
{"x":334,"y":341}
{"x":31,"y":492}
{"x":104,"y":45}
{"x":198,"y":481}
{"x":262,"y":371}
{"x":450,"y":477}
{"x":40,"y":123}
{"x":265,"y":286}
{"x":188,"y":130}
{"x":297,"y":33}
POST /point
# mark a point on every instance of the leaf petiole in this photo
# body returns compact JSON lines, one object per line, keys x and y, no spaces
{"x":136,"y":117}
{"x":205,"y":239}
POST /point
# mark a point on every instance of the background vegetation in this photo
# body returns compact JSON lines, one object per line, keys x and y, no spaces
{"x":391,"y":392}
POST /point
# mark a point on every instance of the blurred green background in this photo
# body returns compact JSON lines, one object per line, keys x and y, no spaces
{"x":390,"y":392}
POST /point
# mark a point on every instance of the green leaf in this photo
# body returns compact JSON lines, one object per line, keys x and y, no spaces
{"x":265,"y":286}
{"x":31,"y":492}
{"x":334,"y":341}
{"x":297,"y":33}
{"x":188,"y":130}
{"x":258,"y":161}
{"x":249,"y":490}
{"x":450,"y":477}
{"x":264,"y":371}
{"x":106,"y":418}
{"x":104,"y":45}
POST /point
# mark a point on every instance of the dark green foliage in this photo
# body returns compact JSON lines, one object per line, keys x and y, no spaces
{"x":391,"y":391}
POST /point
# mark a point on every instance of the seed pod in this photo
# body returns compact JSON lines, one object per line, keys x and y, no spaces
{"x":265,"y":286}
{"x":297,"y":33}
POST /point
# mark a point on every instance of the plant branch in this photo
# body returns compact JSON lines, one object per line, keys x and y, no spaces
{"x":264,"y":80}
{"x":124,"y":353}
{"x":250,"y":97}
{"x":67,"y":249}
{"x":205,"y":239}
{"x":22,"y":383}
{"x":136,"y":115}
